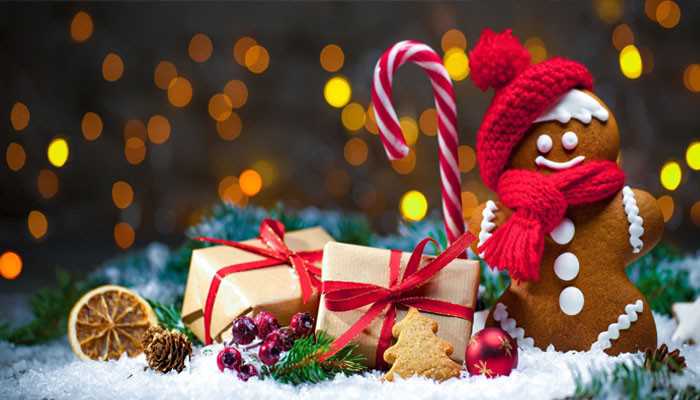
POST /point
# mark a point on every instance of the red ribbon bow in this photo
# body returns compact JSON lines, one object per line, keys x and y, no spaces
{"x":345,"y":296}
{"x":275,"y":252}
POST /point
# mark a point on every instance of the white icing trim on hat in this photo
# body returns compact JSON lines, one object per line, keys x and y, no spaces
{"x":575,"y":104}
{"x":500,"y":314}
{"x":624,"y":321}
{"x":487,"y":224}
{"x":636,"y":222}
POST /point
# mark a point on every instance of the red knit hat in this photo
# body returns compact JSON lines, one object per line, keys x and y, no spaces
{"x":522,"y":93}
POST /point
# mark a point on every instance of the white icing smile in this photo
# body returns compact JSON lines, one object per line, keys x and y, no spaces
{"x":543,"y":161}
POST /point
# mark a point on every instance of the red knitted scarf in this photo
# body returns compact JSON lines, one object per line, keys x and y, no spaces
{"x":539,"y":203}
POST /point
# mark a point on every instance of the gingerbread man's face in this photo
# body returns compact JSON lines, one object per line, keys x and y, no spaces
{"x":577,"y":129}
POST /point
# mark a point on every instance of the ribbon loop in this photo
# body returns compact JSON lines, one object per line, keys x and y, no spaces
{"x":274,"y":252}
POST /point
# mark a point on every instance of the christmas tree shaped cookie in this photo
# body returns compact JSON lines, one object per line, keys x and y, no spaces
{"x":418,"y":351}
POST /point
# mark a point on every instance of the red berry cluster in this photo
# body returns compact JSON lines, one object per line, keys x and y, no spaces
{"x":274,"y":340}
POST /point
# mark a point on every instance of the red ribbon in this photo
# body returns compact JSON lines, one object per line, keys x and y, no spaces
{"x":345,"y":296}
{"x":275,"y":252}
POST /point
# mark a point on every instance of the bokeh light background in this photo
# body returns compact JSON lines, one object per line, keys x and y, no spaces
{"x":123,"y":123}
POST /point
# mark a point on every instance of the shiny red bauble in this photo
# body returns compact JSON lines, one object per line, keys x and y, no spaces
{"x":491,"y":352}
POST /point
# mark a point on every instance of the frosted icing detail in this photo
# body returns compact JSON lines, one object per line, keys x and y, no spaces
{"x":636,"y":222}
{"x":487,"y":225}
{"x":578,"y":105}
{"x":624,"y":321}
{"x":500,"y":314}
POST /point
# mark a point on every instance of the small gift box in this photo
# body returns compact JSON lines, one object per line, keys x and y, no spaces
{"x":276,"y":272}
{"x":365,"y":290}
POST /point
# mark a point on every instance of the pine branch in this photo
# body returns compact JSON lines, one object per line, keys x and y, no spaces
{"x":169,"y":317}
{"x":302,"y":363}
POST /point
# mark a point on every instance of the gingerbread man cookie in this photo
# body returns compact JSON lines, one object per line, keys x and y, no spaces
{"x":418,"y":351}
{"x":565,"y":225}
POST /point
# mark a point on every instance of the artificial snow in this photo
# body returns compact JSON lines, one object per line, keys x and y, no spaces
{"x":52,"y":371}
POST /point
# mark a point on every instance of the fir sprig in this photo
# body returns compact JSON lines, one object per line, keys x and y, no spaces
{"x":302,"y":363}
{"x":169,"y":317}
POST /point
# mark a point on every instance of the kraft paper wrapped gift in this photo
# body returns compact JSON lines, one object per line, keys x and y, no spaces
{"x":275,"y":289}
{"x":457,"y":283}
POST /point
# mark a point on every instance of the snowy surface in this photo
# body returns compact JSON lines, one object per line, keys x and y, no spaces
{"x":51,"y":371}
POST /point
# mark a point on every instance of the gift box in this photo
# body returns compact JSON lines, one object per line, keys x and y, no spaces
{"x":363,"y":276}
{"x":241,"y":278}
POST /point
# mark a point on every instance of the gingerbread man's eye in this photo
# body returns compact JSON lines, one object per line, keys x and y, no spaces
{"x":544,"y":143}
{"x":569,"y":140}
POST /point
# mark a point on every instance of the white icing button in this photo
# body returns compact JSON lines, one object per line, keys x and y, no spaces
{"x":564,"y":232}
{"x":571,"y":300}
{"x":566,"y":266}
{"x":569,"y":140}
{"x":544,"y":143}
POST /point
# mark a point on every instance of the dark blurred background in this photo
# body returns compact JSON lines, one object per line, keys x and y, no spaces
{"x":123,"y":123}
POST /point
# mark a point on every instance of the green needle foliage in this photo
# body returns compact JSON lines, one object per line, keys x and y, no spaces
{"x":302,"y":364}
{"x":169,"y":318}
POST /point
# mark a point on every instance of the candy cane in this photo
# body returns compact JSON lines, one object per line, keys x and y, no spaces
{"x":390,"y":130}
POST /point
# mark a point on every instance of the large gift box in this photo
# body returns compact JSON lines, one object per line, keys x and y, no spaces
{"x":359,"y":296}
{"x":239,"y":278}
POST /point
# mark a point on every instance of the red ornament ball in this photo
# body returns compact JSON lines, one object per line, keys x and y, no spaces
{"x":491,"y":352}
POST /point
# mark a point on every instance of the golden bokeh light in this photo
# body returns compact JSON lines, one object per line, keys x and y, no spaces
{"x":457,"y":64}
{"x":469,"y":204}
{"x":15,"y":156}
{"x":230,"y":128}
{"x":337,"y":91}
{"x":667,"y":205}
{"x":230,"y":191}
{"x":453,"y":39}
{"x":251,"y":182}
{"x":241,"y":48}
{"x":409,"y":127}
{"x":267,"y":171}
{"x":237,"y":92}
{"x":428,"y":122}
{"x":467,"y":158}
{"x":692,"y":156}
{"x":124,"y":235}
{"x":135,"y":128}
{"x":37,"y":224}
{"x":631,"y":62}
{"x":47,"y":183}
{"x":406,"y":165}
{"x":200,"y":48}
{"x":355,"y":151}
{"x":537,"y":49}
{"x":671,"y":175}
{"x":668,"y":14}
{"x":370,"y":121}
{"x":622,"y":36}
{"x":81,"y":27}
{"x":414,"y":205}
{"x":650,"y":8}
{"x":135,"y":150}
{"x":695,"y":213}
{"x":691,"y":77}
{"x":58,"y":152}
{"x":257,"y":59}
{"x":164,"y":74}
{"x":353,"y":116}
{"x":112,"y":67}
{"x":19,"y":116}
{"x":180,"y":92}
{"x":609,"y":11}
{"x":158,"y":129}
{"x":338,"y":182}
{"x":332,"y":58}
{"x":122,"y":194}
{"x":220,"y":107}
{"x":91,"y":126}
{"x":10,"y":265}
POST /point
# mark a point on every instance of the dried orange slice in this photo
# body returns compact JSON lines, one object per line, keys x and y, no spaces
{"x":107,"y":322}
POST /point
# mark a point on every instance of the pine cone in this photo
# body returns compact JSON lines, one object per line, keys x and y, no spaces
{"x":166,"y":350}
{"x":655,"y":360}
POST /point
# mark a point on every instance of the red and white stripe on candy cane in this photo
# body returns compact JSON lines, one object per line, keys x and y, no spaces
{"x":390,"y":129}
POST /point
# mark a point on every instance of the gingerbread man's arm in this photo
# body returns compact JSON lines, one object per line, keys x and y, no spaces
{"x":485,"y":219}
{"x":651,"y":221}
